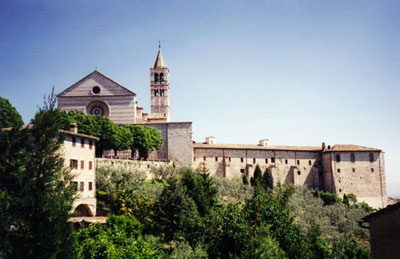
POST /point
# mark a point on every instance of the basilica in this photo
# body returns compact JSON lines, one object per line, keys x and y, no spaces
{"x":339,"y":169}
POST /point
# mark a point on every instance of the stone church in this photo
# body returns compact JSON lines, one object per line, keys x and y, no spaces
{"x":339,"y":169}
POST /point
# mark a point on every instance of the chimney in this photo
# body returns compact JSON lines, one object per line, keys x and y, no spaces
{"x":329,"y":146}
{"x":210,"y":140}
{"x":323,"y":146}
{"x":263,"y":142}
{"x":73,"y":127}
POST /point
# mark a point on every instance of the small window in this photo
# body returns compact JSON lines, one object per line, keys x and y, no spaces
{"x":162,"y":92}
{"x":156,"y":92}
{"x":204,"y":158}
{"x":96,"y":90}
{"x":194,"y":158}
{"x":352,"y":158}
{"x":338,"y":158}
{"x":241,"y":159}
{"x":372,"y":170}
{"x":272,"y":159}
{"x":242,"y":171}
{"x":266,"y":160}
{"x":216,"y":159}
{"x":161,"y":78}
{"x":156,"y":78}
{"x":82,"y":164}
{"x":354,"y":170}
{"x":286,"y":161}
{"x":73,"y":164}
{"x":371,"y":157}
{"x":82,"y":186}
{"x":338,"y":170}
{"x":90,"y":165}
{"x":298,"y":162}
{"x":340,"y":190}
{"x":90,"y":186}
{"x":309,"y":162}
{"x":90,"y":144}
{"x":73,"y":141}
{"x":82,"y":142}
{"x":298,"y":172}
{"x":254,"y":160}
{"x":229,"y":159}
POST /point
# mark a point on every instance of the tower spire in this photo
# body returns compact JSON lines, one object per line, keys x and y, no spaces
{"x":159,"y":60}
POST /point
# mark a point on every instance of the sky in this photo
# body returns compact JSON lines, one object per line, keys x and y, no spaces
{"x":295,"y":72}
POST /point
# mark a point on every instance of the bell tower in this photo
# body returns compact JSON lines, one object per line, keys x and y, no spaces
{"x":159,"y":87}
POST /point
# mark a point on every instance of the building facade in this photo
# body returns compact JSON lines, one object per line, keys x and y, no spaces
{"x":341,"y":169}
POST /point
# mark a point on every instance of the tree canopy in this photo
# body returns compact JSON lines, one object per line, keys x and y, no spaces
{"x":9,"y":116}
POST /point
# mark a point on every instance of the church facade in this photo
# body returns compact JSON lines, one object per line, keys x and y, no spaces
{"x":339,"y":169}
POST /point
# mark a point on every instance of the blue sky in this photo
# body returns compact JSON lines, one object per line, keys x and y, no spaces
{"x":296,"y":72}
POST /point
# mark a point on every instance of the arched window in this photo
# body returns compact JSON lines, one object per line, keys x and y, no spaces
{"x":156,"y":78}
{"x":337,"y":158}
{"x":371,"y":157}
{"x":161,"y":78}
{"x":352,"y":158}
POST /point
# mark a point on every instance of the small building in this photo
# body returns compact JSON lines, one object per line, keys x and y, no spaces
{"x":384,"y":229}
{"x":79,"y":154}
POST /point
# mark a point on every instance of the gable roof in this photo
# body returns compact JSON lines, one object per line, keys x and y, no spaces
{"x":350,"y":147}
{"x":95,"y":72}
{"x":388,"y":209}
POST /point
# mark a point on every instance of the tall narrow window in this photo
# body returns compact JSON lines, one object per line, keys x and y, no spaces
{"x":75,"y":185}
{"x":156,"y":78}
{"x":161,"y":78}
{"x":90,"y":144}
{"x":216,"y":159}
{"x":337,"y":158}
{"x":241,"y":159}
{"x":286,"y":161}
{"x":82,"y":142}
{"x":352,"y":158}
{"x":371,"y":157}
{"x":298,"y":162}
{"x":90,"y":186}
{"x":82,"y":164}
{"x":266,"y":160}
{"x":204,"y":158}
{"x":90,"y":165}
{"x":73,"y":164}
{"x":156,"y":92}
{"x":272,"y":159}
{"x":162,"y":92}
{"x":73,"y":141}
{"x":254,"y":160}
{"x":82,"y":186}
{"x":309,"y":162}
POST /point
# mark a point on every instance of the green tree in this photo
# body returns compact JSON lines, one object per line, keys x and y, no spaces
{"x":245,"y":180}
{"x":256,"y":180}
{"x":36,"y":199}
{"x":9,"y":116}
{"x":268,"y":180}
{"x":145,"y":139}
{"x":123,"y":139}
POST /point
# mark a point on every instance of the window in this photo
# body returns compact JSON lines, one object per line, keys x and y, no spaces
{"x":372,"y":170}
{"x":156,"y":78}
{"x":73,"y":164}
{"x":352,"y":158}
{"x":354,"y":170}
{"x":272,"y":159}
{"x":254,"y":160}
{"x":96,"y":90}
{"x":194,"y":158}
{"x":216,"y":159}
{"x":340,"y":190}
{"x":73,"y":141}
{"x":286,"y":161}
{"x":90,"y":186}
{"x":298,"y":162}
{"x":266,"y":160}
{"x":371,"y":157}
{"x":82,"y":142}
{"x":298,"y":172}
{"x":242,"y":171}
{"x":309,"y":162}
{"x":161,"y":78}
{"x":162,"y":92}
{"x":156,"y":92}
{"x":338,"y":170}
{"x":75,"y":185}
{"x":241,"y":159}
{"x":82,"y":186}
{"x":337,"y":158}
{"x":82,"y":164}
{"x":229,"y":159}
{"x":90,"y":144}
{"x":90,"y":165}
{"x":204,"y":158}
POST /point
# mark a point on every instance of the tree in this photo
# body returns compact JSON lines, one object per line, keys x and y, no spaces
{"x":36,"y":198}
{"x":257,"y":177}
{"x":123,"y":139}
{"x":245,"y":180}
{"x":145,"y":139}
{"x":268,"y":180}
{"x":9,"y":116}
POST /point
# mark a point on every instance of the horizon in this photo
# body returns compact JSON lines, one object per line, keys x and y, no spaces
{"x":297,"y":73}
